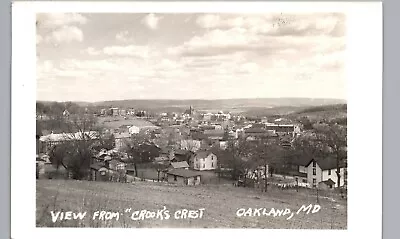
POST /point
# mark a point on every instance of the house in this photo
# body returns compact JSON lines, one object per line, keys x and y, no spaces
{"x":114,"y":111}
{"x":109,"y":170}
{"x":99,"y":172}
{"x":218,"y":127}
{"x":120,"y":139}
{"x":131,"y":170}
{"x":115,"y":165}
{"x":66,"y":113}
{"x":182,"y":164}
{"x":284,"y":129}
{"x":323,"y":169}
{"x":130,"y":112}
{"x":183,"y":176}
{"x":204,"y":160}
{"x":326,"y":185}
{"x":255,"y":132}
{"x":133,"y":129}
{"x":223,"y":145}
{"x":122,"y":112}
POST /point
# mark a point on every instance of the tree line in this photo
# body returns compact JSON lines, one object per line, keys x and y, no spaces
{"x":326,"y":140}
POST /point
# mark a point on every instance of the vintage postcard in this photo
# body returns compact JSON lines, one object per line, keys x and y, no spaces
{"x":195,"y":115}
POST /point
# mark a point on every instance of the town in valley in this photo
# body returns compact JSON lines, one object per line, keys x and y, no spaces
{"x":301,"y":150}
{"x":213,"y":120}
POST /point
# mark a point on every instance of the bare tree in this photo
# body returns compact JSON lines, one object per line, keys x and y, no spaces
{"x":334,"y":137}
{"x":305,"y":147}
{"x":190,"y":145}
{"x":140,"y":149}
{"x":238,"y":158}
{"x":76,"y":151}
{"x":41,"y":109}
{"x":265,"y":153}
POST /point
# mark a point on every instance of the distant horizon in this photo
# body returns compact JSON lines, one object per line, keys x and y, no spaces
{"x":199,"y":99}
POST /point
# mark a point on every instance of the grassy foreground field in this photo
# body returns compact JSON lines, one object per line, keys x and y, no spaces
{"x":220,"y":203}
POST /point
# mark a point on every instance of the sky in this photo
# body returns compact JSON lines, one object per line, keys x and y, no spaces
{"x":116,"y":56}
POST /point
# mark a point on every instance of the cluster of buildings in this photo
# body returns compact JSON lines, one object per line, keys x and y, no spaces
{"x":173,"y":166}
{"x":114,"y":111}
{"x":321,"y":173}
{"x":188,"y":143}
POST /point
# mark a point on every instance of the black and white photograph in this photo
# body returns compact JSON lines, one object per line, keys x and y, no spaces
{"x":193,"y":119}
{"x":184,"y":113}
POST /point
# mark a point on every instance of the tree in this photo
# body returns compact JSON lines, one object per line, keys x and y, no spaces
{"x":106,"y":142}
{"x":265,"y":153}
{"x":226,"y":134}
{"x":236,"y":157}
{"x":190,"y":145}
{"x":40,"y":109}
{"x":140,"y":149}
{"x":306,"y":122}
{"x":305,"y":147}
{"x":76,"y":151}
{"x":73,"y":108}
{"x":56,"y":109}
{"x":334,"y":137}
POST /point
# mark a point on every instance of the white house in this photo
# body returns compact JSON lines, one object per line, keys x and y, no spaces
{"x":322,"y":173}
{"x":66,"y":113}
{"x":204,"y":160}
{"x":223,"y":145}
{"x":133,"y":130}
{"x":218,"y":127}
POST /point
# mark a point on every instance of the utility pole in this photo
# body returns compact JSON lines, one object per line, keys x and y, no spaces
{"x":265,"y":176}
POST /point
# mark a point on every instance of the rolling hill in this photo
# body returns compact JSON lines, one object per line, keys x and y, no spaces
{"x":249,"y":107}
{"x":220,"y":104}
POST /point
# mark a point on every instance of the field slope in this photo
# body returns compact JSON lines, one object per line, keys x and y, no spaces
{"x":220,"y":202}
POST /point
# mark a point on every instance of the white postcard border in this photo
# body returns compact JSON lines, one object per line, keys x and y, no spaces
{"x":364,"y":72}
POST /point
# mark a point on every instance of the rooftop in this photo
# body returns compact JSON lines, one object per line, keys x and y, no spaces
{"x":69,"y":136}
{"x":325,"y":163}
{"x":203,"y":153}
{"x":122,"y":135}
{"x":255,"y":130}
{"x":329,"y":182}
{"x":186,"y":173}
{"x":182,"y":164}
